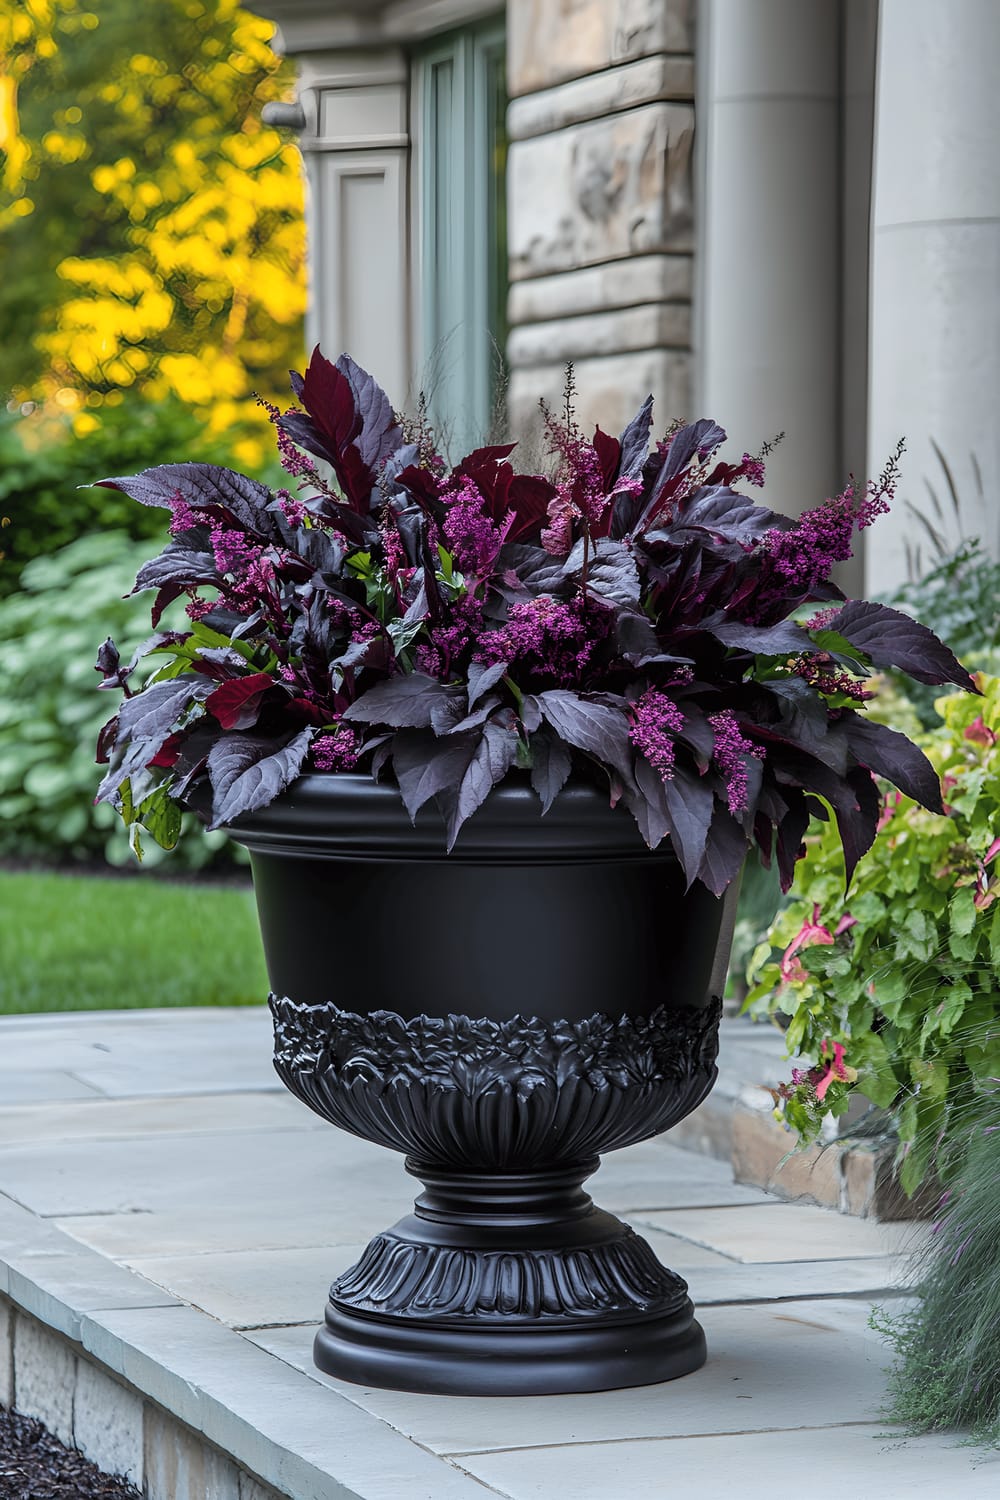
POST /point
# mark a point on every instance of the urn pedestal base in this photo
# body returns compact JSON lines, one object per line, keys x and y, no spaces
{"x":508,"y":1284}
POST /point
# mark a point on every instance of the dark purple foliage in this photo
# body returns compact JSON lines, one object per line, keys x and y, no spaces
{"x":627,"y":618}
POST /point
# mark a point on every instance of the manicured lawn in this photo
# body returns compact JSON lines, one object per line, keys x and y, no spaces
{"x":84,"y":942}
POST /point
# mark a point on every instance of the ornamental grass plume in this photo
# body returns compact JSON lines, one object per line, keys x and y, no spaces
{"x":947,"y":1369}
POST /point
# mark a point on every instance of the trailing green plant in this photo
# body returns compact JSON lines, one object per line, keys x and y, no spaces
{"x":959,"y":599}
{"x":47,"y":463}
{"x":50,"y":710}
{"x":947,"y":1369}
{"x":893,"y":987}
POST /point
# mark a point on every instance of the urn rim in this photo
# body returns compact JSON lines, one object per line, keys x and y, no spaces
{"x":348,"y":815}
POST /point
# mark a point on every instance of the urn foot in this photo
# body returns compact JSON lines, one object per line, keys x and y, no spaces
{"x":508,"y":1284}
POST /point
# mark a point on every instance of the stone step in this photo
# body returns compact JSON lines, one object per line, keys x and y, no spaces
{"x":736,"y":1123}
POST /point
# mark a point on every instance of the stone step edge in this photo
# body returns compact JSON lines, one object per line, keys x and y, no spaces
{"x":736,"y":1124}
{"x":65,"y":1307}
{"x":856,"y":1177}
{"x":852,"y":1176}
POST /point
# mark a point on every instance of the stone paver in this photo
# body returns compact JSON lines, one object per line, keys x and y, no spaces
{"x":782,"y":1231}
{"x":181,"y":1225}
{"x":766,"y":1367}
{"x":753,"y":1465}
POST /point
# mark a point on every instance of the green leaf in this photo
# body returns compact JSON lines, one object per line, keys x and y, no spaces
{"x":160,"y":816}
{"x":962,"y":912}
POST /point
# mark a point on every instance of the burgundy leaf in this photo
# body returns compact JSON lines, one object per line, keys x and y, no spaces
{"x":536,"y":572}
{"x":149,"y":716}
{"x":725,"y":851}
{"x":481,"y":679}
{"x":425,"y":765}
{"x":791,"y":832}
{"x":726,"y":515}
{"x":192,"y":760}
{"x":893,"y":756}
{"x":492,"y":757}
{"x":594,"y":727}
{"x":528,"y":497}
{"x":611,"y":569}
{"x":236,"y":704}
{"x":406,"y":701}
{"x":551,"y":763}
{"x":246,"y":500}
{"x":783,"y":639}
{"x":608,"y":450}
{"x":634,"y":442}
{"x":380,"y":434}
{"x":248,"y":772}
{"x":166,"y":757}
{"x":890,"y":638}
{"x":648,"y":805}
{"x":106,"y":740}
{"x":856,"y":806}
{"x":531,"y":712}
{"x":176,"y":570}
{"x":690,"y":804}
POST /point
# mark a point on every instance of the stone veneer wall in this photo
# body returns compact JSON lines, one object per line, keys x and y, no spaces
{"x":46,"y":1376}
{"x":600,"y":230}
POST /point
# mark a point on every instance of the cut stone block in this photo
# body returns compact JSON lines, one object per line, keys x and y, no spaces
{"x":44,"y":1377}
{"x":764,"y":1154}
{"x":107,"y":1423}
{"x":596,"y":192}
{"x":655,"y":326}
{"x":547,"y":43}
{"x":600,"y":94}
{"x":611,"y":390}
{"x":179,"y":1466}
{"x":621,"y":283}
{"x":856,"y":1177}
{"x":6,"y":1353}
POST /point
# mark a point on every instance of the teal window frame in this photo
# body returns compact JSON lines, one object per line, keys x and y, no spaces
{"x":460,"y":160}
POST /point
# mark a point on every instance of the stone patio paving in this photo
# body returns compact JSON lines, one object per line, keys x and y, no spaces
{"x":166,"y":1206}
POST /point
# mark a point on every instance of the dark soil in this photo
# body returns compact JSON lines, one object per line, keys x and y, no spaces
{"x":36,"y":1466}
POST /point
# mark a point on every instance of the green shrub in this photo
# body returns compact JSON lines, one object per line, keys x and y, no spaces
{"x":902,"y":972}
{"x":51,"y":708}
{"x":44,"y":463}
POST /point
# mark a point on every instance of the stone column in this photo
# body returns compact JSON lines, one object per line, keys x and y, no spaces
{"x":768,"y":333}
{"x":935,"y":272}
{"x":599,"y":205}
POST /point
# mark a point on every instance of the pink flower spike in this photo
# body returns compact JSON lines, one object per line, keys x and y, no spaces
{"x":992,"y":851}
{"x":845,"y":924}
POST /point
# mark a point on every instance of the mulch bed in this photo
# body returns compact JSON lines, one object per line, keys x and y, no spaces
{"x":34,"y":1465}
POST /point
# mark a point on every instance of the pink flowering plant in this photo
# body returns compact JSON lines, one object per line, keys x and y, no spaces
{"x":892,"y":988}
{"x":626,"y":618}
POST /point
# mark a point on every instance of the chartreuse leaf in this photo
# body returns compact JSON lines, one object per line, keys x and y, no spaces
{"x":160,"y":816}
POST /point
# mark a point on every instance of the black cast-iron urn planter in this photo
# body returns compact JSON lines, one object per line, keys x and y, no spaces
{"x":501,"y":1014}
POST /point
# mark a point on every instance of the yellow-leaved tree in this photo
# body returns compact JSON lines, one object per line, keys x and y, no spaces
{"x":151,"y":228}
